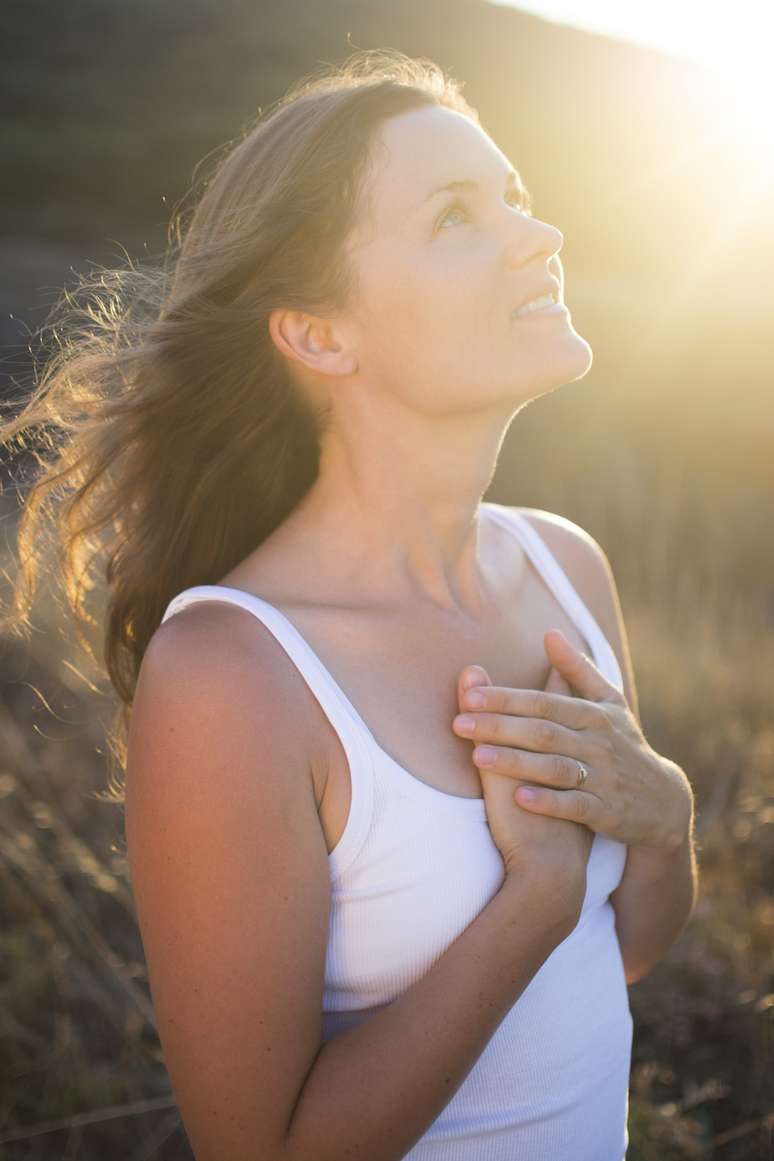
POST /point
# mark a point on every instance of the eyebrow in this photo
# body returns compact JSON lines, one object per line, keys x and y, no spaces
{"x":512,"y":178}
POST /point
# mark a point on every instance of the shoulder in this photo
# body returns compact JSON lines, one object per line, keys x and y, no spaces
{"x":215,"y":648}
{"x":587,"y":565}
{"x":217,"y":673}
{"x":582,"y":557}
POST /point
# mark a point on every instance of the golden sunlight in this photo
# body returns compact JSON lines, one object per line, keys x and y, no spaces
{"x":745,"y":93}
{"x":731,"y":46}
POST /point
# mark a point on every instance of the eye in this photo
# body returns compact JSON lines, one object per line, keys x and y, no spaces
{"x":519,"y":198}
{"x":523,"y":201}
{"x":449,"y":210}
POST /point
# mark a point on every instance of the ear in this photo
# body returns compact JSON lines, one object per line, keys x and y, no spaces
{"x":310,"y":341}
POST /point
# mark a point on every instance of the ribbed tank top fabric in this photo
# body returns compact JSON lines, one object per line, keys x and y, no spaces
{"x":413,"y":868}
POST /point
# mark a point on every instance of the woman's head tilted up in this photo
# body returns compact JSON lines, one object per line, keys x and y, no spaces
{"x":324,"y":314}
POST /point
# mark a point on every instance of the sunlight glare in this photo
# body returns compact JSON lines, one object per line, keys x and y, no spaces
{"x":745,"y":94}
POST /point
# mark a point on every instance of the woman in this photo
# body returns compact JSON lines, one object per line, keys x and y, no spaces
{"x":362,"y":940}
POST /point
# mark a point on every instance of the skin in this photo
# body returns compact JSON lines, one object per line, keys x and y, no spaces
{"x":632,"y":794}
{"x":428,"y":360}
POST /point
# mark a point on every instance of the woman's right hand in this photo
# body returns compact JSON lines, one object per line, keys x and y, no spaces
{"x":553,"y":851}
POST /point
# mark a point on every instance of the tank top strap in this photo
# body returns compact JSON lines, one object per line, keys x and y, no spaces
{"x":549,"y":568}
{"x":352,"y":732}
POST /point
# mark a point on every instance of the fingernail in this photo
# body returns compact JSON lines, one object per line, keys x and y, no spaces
{"x":525,"y":794}
{"x":464,"y":722}
{"x":485,"y":755}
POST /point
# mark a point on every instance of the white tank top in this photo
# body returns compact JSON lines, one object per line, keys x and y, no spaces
{"x":413,"y":867}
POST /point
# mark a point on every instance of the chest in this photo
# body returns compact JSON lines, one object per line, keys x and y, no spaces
{"x":402,"y":679}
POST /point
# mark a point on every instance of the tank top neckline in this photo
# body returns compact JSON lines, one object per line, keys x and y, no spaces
{"x":547,"y":567}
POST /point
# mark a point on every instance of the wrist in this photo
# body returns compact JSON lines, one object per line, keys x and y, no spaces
{"x":671,"y":848}
{"x":676,"y":834}
{"x":557,"y":900}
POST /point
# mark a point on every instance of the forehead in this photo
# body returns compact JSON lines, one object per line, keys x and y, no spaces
{"x":414,"y":152}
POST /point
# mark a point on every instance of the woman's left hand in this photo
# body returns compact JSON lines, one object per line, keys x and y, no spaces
{"x":632,"y":794}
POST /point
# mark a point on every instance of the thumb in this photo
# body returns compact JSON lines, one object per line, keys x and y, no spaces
{"x":470,"y":676}
{"x":556,"y":682}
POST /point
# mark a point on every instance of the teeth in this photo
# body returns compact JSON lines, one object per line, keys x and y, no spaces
{"x":535,"y":304}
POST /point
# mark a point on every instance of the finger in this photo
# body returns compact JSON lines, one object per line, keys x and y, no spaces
{"x":575,"y":805}
{"x":470,"y":677}
{"x":509,"y":732}
{"x":578,"y":669}
{"x":552,"y":770}
{"x":571,"y":712}
{"x":556,"y":683}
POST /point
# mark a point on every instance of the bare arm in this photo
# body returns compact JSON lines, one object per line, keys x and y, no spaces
{"x":231,"y":884}
{"x":376,"y":1089}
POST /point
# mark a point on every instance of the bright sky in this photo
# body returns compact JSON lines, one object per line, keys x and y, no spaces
{"x":734,"y":41}
{"x":686,"y":27}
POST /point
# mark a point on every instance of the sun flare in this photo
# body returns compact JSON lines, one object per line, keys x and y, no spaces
{"x":745,"y":94}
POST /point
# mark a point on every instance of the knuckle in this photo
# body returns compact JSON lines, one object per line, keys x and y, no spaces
{"x":523,"y":761}
{"x":565,"y":771}
{"x":613,"y":708}
{"x":543,"y":735}
{"x":598,"y":718}
{"x":540,"y":706}
{"x":582,"y":807}
{"x":607,"y":746}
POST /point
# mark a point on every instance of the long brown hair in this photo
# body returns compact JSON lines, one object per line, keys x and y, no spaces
{"x":171,"y":437}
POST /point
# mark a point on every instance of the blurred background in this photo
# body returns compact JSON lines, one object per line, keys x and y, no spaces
{"x":646,"y":133}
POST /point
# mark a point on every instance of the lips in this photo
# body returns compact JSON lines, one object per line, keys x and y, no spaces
{"x":550,"y":286}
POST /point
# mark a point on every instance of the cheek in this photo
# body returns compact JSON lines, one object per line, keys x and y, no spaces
{"x":428,"y":327}
{"x":428,"y":284}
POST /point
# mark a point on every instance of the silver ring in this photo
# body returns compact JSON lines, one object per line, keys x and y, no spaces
{"x":582,"y":775}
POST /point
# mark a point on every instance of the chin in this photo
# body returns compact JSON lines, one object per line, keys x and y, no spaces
{"x":576,"y":354}
{"x":556,"y":374}
{"x":569,"y":361}
{"x":585,"y":359}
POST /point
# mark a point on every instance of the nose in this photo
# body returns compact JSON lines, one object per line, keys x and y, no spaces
{"x":530,"y":237}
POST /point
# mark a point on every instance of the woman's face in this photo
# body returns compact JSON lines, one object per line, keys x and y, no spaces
{"x":440,"y":273}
